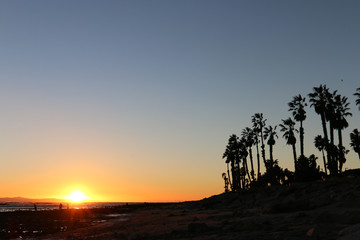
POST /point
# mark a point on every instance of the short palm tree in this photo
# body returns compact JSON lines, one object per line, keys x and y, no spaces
{"x":297,"y":107}
{"x":270,"y":134}
{"x":355,"y":141}
{"x":288,"y":128}
{"x":320,"y":144}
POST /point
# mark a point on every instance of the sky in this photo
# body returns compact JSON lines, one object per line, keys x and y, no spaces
{"x":136,"y":100}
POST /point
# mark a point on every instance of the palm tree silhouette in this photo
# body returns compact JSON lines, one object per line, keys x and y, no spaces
{"x":270,"y":134}
{"x":288,"y":128}
{"x":320,"y":144}
{"x":297,"y":107}
{"x":256,"y":141}
{"x":230,"y":155}
{"x":319,"y":100}
{"x":248,"y":135}
{"x":259,"y":124}
{"x":244,"y":153}
{"x":358,"y":97}
{"x":340,"y":123}
{"x":355,"y":141}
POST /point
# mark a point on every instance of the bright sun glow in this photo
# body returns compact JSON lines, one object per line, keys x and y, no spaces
{"x":77,"y":196}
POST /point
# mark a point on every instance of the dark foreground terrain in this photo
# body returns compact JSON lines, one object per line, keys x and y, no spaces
{"x":320,"y":210}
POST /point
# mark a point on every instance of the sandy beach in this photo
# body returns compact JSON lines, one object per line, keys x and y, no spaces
{"x":319,"y":210}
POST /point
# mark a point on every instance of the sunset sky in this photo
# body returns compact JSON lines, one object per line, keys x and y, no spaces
{"x":135,"y":100}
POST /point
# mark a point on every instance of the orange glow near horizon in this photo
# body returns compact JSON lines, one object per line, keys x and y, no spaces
{"x":77,"y":196}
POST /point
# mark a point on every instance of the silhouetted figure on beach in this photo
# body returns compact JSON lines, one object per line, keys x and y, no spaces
{"x":35,"y":207}
{"x":60,"y":206}
{"x":67,"y":206}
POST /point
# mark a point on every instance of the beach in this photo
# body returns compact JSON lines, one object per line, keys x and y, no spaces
{"x":318,"y":210}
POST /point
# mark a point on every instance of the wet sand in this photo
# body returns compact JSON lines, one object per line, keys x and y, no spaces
{"x":319,"y":210}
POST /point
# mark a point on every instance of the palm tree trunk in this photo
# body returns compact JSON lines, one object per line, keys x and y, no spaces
{"x":262,"y":147}
{"x":294,"y":154}
{"x":324,"y":161}
{"x":341,"y":151}
{"x":301,"y":138}
{"x":329,"y":158}
{"x":233,"y":173}
{"x":252,"y":164}
{"x":247,"y":168}
{"x":333,"y":157}
{"x":258,"y":160}
{"x":228,"y":172}
{"x":271,"y":153}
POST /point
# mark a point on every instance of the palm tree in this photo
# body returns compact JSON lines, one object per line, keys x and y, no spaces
{"x":320,"y":144}
{"x":358,"y":97}
{"x":259,"y":124}
{"x":256,"y":141}
{"x":319,"y":100}
{"x":355,"y":141}
{"x":270,"y":134}
{"x":340,"y":123}
{"x":297,"y":107}
{"x":243,"y":156}
{"x":230,"y":155}
{"x":248,"y":135}
{"x":288,"y":128}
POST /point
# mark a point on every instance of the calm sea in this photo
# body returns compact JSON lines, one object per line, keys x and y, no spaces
{"x":27,"y":206}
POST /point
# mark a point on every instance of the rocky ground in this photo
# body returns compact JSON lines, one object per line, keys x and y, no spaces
{"x":320,"y":210}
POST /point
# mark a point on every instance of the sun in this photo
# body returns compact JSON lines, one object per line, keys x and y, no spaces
{"x":77,"y":196}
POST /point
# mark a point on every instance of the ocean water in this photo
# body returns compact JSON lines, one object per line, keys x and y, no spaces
{"x":29,"y":206}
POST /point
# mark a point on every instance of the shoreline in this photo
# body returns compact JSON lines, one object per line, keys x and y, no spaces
{"x":313,"y":210}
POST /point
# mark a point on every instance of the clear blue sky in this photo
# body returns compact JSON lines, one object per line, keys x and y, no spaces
{"x":148,"y":92}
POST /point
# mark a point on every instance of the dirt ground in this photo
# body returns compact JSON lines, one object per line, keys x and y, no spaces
{"x":320,"y":210}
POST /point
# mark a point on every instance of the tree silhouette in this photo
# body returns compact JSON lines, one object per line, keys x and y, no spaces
{"x":230,"y":154}
{"x":243,"y":156}
{"x":226,"y":181}
{"x":259,"y":123}
{"x":320,"y":144}
{"x":340,"y":123}
{"x":288,"y":128}
{"x":270,"y":134}
{"x":249,"y":136}
{"x":297,"y":107}
{"x":256,"y":141}
{"x":355,"y":141}
{"x":358,"y":97}
{"x":319,"y":100}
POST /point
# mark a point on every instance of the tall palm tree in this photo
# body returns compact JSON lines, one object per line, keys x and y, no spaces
{"x":248,"y":135}
{"x":270,"y":134}
{"x":340,"y":123}
{"x":256,"y":141}
{"x":259,"y":123}
{"x":320,"y":144}
{"x":297,"y":107}
{"x":330,"y":113}
{"x":243,"y":155}
{"x":319,"y":100}
{"x":358,"y":97}
{"x":355,"y":141}
{"x":230,"y":154}
{"x":288,"y":128}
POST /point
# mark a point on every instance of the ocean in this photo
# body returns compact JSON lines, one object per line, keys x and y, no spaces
{"x":30,"y":206}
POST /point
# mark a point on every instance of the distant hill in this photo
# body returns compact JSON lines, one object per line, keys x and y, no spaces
{"x":22,"y":199}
